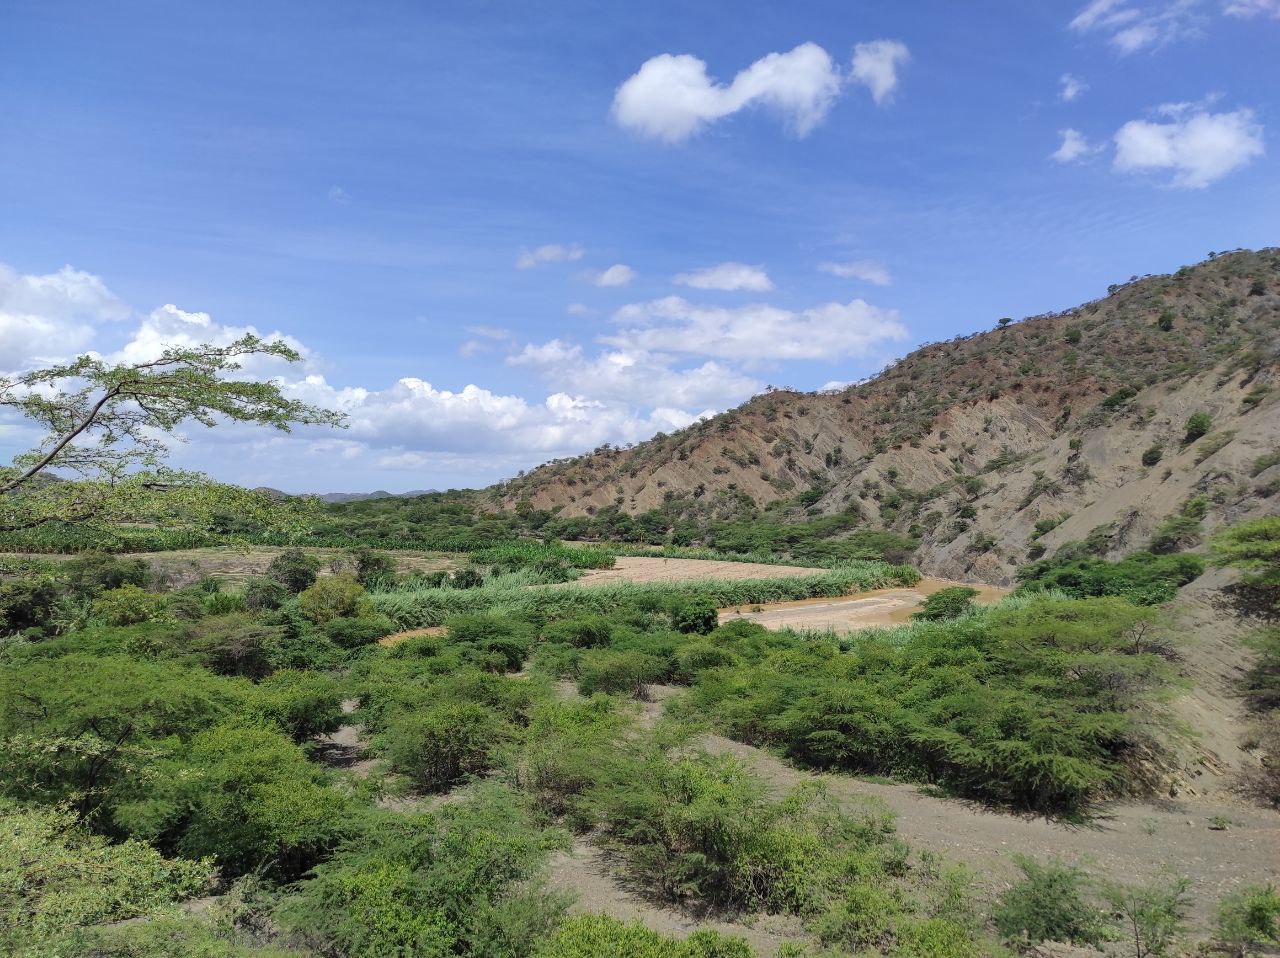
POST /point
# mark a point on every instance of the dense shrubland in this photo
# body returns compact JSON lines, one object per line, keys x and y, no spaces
{"x":159,"y":744}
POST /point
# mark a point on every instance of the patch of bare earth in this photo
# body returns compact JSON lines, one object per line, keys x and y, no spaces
{"x":658,"y":569}
{"x":879,"y":607}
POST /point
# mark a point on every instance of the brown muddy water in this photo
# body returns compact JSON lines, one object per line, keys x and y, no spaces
{"x":880,"y":607}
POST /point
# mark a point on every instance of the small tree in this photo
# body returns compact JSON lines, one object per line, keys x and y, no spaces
{"x":949,"y":603}
{"x":1153,"y":455}
{"x":107,"y":427}
{"x":332,"y":598}
{"x":1199,"y":424}
{"x":294,"y":569}
{"x":1152,"y":917}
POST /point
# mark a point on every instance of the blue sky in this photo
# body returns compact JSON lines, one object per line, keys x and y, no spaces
{"x":504,"y":233}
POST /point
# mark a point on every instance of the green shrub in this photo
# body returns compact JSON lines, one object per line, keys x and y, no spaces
{"x":334,"y":597}
{"x":696,"y":613}
{"x":1141,"y":577}
{"x":294,"y":569}
{"x":1151,"y":917}
{"x":584,"y":633}
{"x":1153,"y":455}
{"x":462,"y":880}
{"x":608,"y":670}
{"x":373,"y":569}
{"x":949,"y":603}
{"x":347,"y":633}
{"x":1197,"y":425}
{"x":1051,"y":902}
{"x":56,"y":878}
{"x":128,"y":605}
{"x":261,"y":594}
{"x":235,"y":644}
{"x":495,"y":642}
{"x":301,"y":704}
{"x":697,"y":657}
{"x":600,"y":936}
{"x":439,"y":746}
{"x":1250,"y":917}
{"x":92,"y":573}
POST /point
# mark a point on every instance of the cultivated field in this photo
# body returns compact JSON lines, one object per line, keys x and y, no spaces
{"x":656,"y":569}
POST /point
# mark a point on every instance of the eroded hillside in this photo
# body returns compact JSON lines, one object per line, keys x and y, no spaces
{"x":993,"y":448}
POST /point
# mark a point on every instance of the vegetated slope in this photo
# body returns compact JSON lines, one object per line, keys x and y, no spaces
{"x":979,"y":446}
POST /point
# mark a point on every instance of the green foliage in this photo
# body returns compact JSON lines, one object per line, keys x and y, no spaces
{"x":1151,"y":917}
{"x":1197,"y":425}
{"x":696,"y":613}
{"x":949,"y":603}
{"x":1050,"y":691}
{"x":584,"y":632}
{"x":599,"y":936}
{"x":128,"y":605}
{"x":373,"y":569}
{"x":462,"y":880}
{"x":495,"y":642}
{"x":294,"y":570}
{"x":617,"y":671}
{"x":1250,"y":917}
{"x":1051,"y":902}
{"x":1254,"y":548}
{"x":261,"y":594}
{"x":302,"y":704}
{"x":1153,"y":455}
{"x":442,"y":744}
{"x":333,"y":597}
{"x":56,"y":878}
{"x":236,"y":644}
{"x":1142,"y":577}
{"x":348,"y":633}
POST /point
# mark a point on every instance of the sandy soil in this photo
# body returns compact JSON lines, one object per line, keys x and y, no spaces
{"x":395,"y":638}
{"x":657,"y":569}
{"x":880,"y":607}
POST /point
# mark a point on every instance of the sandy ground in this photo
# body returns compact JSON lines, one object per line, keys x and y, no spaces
{"x":656,"y":569}
{"x":880,"y":607}
{"x":395,"y":638}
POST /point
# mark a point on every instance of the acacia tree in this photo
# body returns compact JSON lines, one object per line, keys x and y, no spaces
{"x":108,"y":429}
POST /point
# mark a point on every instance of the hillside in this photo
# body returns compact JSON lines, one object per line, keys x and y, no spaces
{"x":994,"y":448}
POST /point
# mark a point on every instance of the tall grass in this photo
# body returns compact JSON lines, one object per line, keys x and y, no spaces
{"x":515,"y":593}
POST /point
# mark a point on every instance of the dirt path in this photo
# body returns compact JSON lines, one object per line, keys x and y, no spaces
{"x":658,"y":569}
{"x":345,"y":748}
{"x":880,"y":607}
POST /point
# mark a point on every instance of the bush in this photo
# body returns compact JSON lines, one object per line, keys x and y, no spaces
{"x":353,"y":633}
{"x":336,"y":597}
{"x":261,"y":594}
{"x":462,"y":880}
{"x":301,"y":704}
{"x":92,"y":573}
{"x":496,"y":642}
{"x":235,"y":644}
{"x":1250,"y":917}
{"x":1049,"y":903}
{"x":1153,"y":455}
{"x":695,"y":614}
{"x":128,"y":605}
{"x":949,"y":603}
{"x":1197,"y":425}
{"x":294,"y":569}
{"x":587,"y":632}
{"x":1152,"y":917}
{"x":444,"y":743}
{"x":600,"y":936}
{"x":373,"y":569}
{"x":697,"y":657}
{"x":608,"y":670}
{"x":57,"y":878}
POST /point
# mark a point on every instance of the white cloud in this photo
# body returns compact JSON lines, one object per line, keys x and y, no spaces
{"x":671,"y":97}
{"x":339,"y":196}
{"x":867,"y":270}
{"x":579,"y":309}
{"x":727,"y":276}
{"x":1252,"y":8}
{"x":54,"y":316}
{"x":619,"y":274}
{"x":1130,"y":27}
{"x":168,"y":326}
{"x":1075,"y":146}
{"x":875,"y":65}
{"x":1196,"y":146}
{"x":551,"y":253}
{"x":1072,"y":87}
{"x":758,"y":332}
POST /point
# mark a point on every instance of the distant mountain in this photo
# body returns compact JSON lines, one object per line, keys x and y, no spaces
{"x":993,"y":448}
{"x":348,"y":496}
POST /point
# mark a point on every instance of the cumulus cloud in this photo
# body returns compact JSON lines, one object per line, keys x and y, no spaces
{"x":619,"y":274}
{"x":875,"y":66}
{"x":867,"y":270}
{"x":51,"y":316}
{"x":1252,"y":8}
{"x":1071,"y":88}
{"x":168,"y":326}
{"x":757,"y":332}
{"x":550,"y":253}
{"x":1075,"y":146}
{"x":671,"y":97}
{"x":339,"y":196}
{"x":1130,"y":27}
{"x":727,"y":276}
{"x":579,"y":309}
{"x":1196,"y":146}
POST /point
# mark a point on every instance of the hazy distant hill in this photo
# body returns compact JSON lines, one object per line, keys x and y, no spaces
{"x":350,"y":496}
{"x":992,"y":447}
